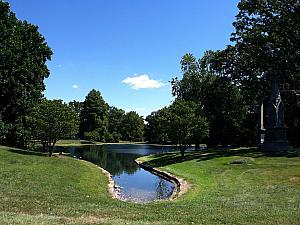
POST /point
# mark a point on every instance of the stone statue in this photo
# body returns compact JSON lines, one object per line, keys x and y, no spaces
{"x":275,"y":108}
{"x":275,"y":135}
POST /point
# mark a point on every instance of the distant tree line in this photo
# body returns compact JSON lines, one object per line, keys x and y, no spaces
{"x":104,"y":123}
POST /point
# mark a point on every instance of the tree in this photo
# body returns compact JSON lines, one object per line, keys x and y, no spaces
{"x":267,"y":34}
{"x":115,"y":118}
{"x":52,"y":120}
{"x":156,"y":128}
{"x":226,"y":110}
{"x":23,"y":56}
{"x":3,"y":130}
{"x":266,"y":47}
{"x":132,"y":127}
{"x":93,"y":117}
{"x":76,"y":106}
{"x":185,"y":123}
{"x":189,"y":87}
{"x":220,"y":100}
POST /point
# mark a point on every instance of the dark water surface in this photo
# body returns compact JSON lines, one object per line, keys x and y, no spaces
{"x":135,"y":184}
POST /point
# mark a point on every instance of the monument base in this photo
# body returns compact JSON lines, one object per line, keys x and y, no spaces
{"x":276,"y":141}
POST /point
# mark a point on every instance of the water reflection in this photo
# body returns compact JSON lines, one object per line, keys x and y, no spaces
{"x":136,"y":184}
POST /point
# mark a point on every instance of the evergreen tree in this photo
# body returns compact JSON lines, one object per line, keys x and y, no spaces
{"x":93,"y":117}
{"x":132,"y":127}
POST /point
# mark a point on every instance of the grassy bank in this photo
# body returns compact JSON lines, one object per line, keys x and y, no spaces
{"x":70,"y":142}
{"x":232,"y":187}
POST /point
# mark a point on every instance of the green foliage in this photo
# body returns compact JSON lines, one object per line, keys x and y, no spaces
{"x":93,"y":117}
{"x":267,"y":34}
{"x":132,"y":127}
{"x":156,"y":127}
{"x":220,"y":100}
{"x":92,"y":135}
{"x":104,"y":123}
{"x":266,"y":47}
{"x":3,"y":130}
{"x":76,"y":106}
{"x":52,"y":120}
{"x":115,"y":120}
{"x":185,"y":124}
{"x":182,"y":123}
{"x":23,"y":56}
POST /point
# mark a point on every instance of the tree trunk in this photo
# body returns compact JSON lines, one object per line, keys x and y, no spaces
{"x":50,"y":151}
{"x":44,"y":147}
{"x":182,"y":152}
{"x":51,"y":147}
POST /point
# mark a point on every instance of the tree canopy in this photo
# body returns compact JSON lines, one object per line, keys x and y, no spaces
{"x":185,"y":125}
{"x":52,"y":120}
{"x":132,"y":127}
{"x":265,"y":47}
{"x":221,"y":102}
{"x":93,"y":117}
{"x":23,"y":56}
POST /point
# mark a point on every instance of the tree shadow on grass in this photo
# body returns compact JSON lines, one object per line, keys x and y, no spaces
{"x":174,"y":157}
{"x":26,"y":152}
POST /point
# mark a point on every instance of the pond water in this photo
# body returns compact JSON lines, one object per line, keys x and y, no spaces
{"x":136,"y":184}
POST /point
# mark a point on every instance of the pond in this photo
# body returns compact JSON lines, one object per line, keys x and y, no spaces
{"x":136,"y":184}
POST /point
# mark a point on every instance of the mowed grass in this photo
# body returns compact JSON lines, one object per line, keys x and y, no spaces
{"x":36,"y":189}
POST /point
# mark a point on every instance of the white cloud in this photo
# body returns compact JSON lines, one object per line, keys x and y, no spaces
{"x":75,"y":86}
{"x":142,"y":81}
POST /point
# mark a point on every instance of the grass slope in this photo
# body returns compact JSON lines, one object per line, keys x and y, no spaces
{"x":40,"y":190}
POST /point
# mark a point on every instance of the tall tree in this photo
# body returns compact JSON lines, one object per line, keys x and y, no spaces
{"x":23,"y":56}
{"x":93,"y":117}
{"x":156,"y":128}
{"x":52,"y":120}
{"x":76,"y":106}
{"x":266,"y":47}
{"x":115,"y":118}
{"x":267,"y":34}
{"x":220,"y":100}
{"x":132,"y":127}
{"x":189,"y":87}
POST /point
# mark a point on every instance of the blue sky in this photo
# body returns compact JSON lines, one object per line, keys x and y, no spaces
{"x":126,"y":49}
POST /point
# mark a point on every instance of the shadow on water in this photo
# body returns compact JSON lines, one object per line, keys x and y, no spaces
{"x":115,"y":162}
{"x":173,"y":158}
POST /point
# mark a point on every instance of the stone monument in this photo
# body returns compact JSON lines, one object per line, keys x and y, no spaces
{"x":275,"y":135}
{"x":262,"y":130}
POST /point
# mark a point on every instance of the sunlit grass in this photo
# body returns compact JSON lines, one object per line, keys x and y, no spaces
{"x":37,"y":189}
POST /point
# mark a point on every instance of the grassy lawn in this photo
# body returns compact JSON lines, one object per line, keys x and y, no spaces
{"x":70,"y":142}
{"x":36,"y":189}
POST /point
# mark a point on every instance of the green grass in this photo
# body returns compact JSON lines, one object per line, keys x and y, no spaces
{"x":70,"y":142}
{"x":36,"y":189}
